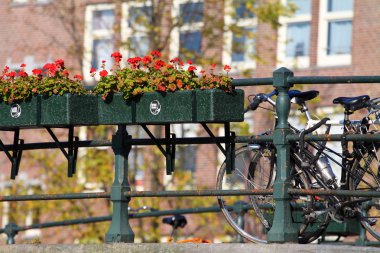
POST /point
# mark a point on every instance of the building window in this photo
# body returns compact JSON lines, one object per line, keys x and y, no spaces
{"x":186,"y":39}
{"x":335,"y":32}
{"x":240,"y":41}
{"x":98,"y":38}
{"x":294,"y":36}
{"x":137,"y":17}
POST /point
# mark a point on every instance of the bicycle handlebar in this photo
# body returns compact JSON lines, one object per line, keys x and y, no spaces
{"x":259,"y":98}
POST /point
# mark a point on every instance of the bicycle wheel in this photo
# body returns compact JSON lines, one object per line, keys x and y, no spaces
{"x":255,"y":169}
{"x":365,"y":176}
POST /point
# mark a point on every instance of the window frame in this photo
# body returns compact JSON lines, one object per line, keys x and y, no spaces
{"x":244,"y":23}
{"x":127,"y":31}
{"x":90,"y":36}
{"x":298,"y":62}
{"x":325,"y":17}
{"x":174,"y":47}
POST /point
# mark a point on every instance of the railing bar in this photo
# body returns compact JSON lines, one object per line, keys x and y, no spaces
{"x":336,"y":137}
{"x":55,"y":196}
{"x":332,"y":79}
{"x":198,"y":193}
{"x":252,"y":82}
{"x":347,"y":193}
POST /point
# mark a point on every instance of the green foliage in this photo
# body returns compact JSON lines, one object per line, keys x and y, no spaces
{"x":149,"y":74}
{"x":52,"y":80}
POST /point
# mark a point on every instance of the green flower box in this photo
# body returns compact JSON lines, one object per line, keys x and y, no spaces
{"x":209,"y":106}
{"x":115,"y":110}
{"x":69,"y":109}
{"x":167,"y":107}
{"x":24,"y":114}
{"x":216,"y":106}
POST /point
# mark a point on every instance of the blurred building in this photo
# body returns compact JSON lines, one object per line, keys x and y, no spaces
{"x":323,"y":37}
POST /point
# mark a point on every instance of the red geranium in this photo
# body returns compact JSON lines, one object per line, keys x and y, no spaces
{"x":117,"y":56}
{"x":103,"y":73}
{"x":227,"y":68}
{"x":78,"y":77}
{"x":60,"y":63}
{"x":155,"y":54}
{"x":37,"y":72}
{"x":191,"y":68}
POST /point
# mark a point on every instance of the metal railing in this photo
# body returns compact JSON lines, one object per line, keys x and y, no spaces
{"x":283,"y":229}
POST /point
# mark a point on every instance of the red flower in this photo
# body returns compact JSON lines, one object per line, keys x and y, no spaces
{"x":202,"y":72}
{"x":36,"y":72}
{"x":6,"y":68}
{"x":22,"y":65}
{"x":103,"y":73}
{"x":78,"y":77}
{"x":181,"y":63}
{"x":60,"y":63}
{"x":93,"y":70}
{"x":227,"y":68}
{"x":179,"y":84}
{"x":191,"y":68}
{"x":51,"y":68}
{"x":174,"y":60}
{"x":103,"y":61}
{"x":158,"y":64}
{"x":213,"y":66}
{"x":189,"y":62}
{"x":146,"y":59}
{"x":11,"y":74}
{"x":22,"y":73}
{"x":155,"y":54}
{"x":161,"y":88}
{"x":65,"y":73}
{"x":117,"y":56}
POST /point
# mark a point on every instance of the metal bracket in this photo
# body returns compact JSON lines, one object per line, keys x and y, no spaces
{"x":169,"y":151}
{"x":72,"y":153}
{"x":207,"y":129}
{"x":229,"y":151}
{"x":15,"y":158}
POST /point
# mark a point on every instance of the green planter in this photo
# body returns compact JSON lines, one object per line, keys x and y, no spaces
{"x":217,"y":106}
{"x":69,"y":109}
{"x":115,"y":110}
{"x":167,"y":107}
{"x":24,"y":114}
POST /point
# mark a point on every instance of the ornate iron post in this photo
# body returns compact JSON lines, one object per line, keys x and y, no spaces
{"x":283,"y":228}
{"x":120,"y":230}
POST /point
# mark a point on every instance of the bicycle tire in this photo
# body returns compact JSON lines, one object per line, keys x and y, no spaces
{"x":253,"y":163}
{"x":364,"y":176}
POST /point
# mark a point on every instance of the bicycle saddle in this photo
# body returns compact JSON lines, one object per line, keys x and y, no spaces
{"x":175,"y":221}
{"x":352,"y":103}
{"x":302,"y":96}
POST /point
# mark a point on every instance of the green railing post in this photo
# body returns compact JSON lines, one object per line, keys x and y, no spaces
{"x":283,"y":228}
{"x":11,"y":230}
{"x":120,"y":230}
